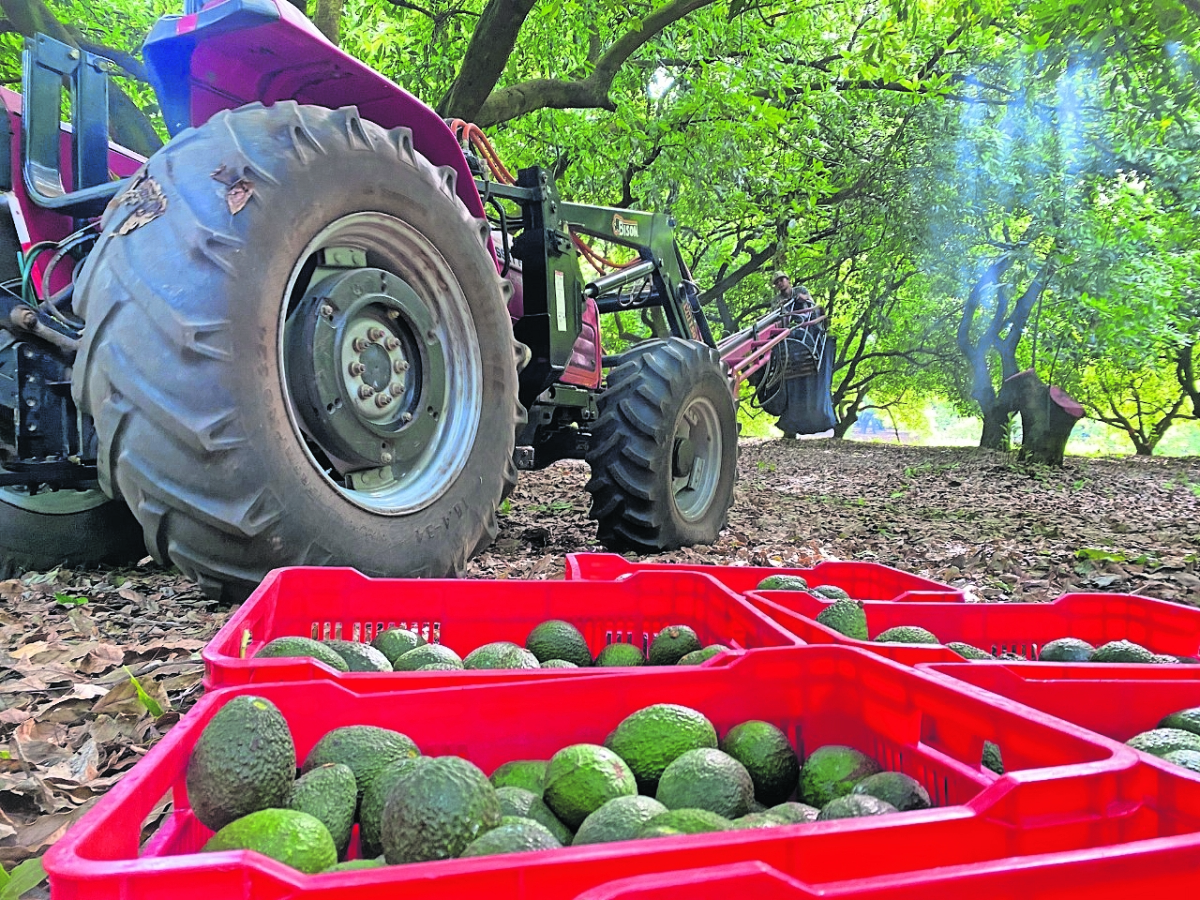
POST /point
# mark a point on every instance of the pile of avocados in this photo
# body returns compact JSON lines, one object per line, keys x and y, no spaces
{"x":1176,"y":739}
{"x":847,"y":617}
{"x":662,"y":771}
{"x":554,"y":644}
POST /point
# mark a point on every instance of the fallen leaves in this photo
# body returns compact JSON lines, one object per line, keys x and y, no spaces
{"x":75,"y":647}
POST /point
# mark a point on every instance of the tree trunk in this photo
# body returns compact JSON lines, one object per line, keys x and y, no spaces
{"x":997,"y":423}
{"x":1047,"y":416}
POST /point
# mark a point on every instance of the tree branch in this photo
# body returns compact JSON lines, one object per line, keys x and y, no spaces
{"x":491,"y":45}
{"x":554,"y":93}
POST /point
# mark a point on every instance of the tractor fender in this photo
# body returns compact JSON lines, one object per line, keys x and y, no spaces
{"x":235,"y":52}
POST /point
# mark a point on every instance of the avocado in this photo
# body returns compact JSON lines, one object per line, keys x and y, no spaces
{"x":706,"y":779}
{"x":906,"y":634}
{"x":370,"y":808}
{"x":794,"y":812}
{"x":845,"y":617}
{"x":768,"y":756}
{"x":684,"y":821}
{"x":442,"y":667}
{"x":620,"y":655}
{"x":896,"y":788}
{"x":360,"y":657}
{"x":353,"y":865}
{"x":302,"y":646}
{"x":557,"y":639}
{"x":829,"y":592}
{"x":991,"y":758}
{"x":366,"y":749}
{"x":672,"y":644}
{"x":500,"y":655}
{"x":854,"y":805}
{"x":1164,"y":659}
{"x":1189,"y":759}
{"x":783,"y":582}
{"x":696,"y":657}
{"x":523,"y":773}
{"x":967,"y":651}
{"x":436,"y":809}
{"x":1066,"y":650}
{"x":757,"y":820}
{"x":755,"y":806}
{"x":395,"y":642}
{"x":1122,"y":652}
{"x":513,"y":837}
{"x":832,"y":771}
{"x":293,"y":838}
{"x":583,"y":777}
{"x":328,"y":793}
{"x":1184,"y":719}
{"x":244,"y":761}
{"x":425,"y":655}
{"x":516,"y":801}
{"x":560,"y":664}
{"x":620,"y":819}
{"x":1158,"y":741}
{"x":655,"y":736}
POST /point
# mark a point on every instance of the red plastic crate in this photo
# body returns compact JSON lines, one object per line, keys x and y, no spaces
{"x":1117,"y":701}
{"x":1065,"y":791}
{"x":464,"y":614}
{"x":861,"y":580}
{"x":1021,"y":628}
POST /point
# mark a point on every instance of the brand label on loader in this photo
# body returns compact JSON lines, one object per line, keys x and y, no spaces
{"x":560,"y":296}
{"x":623,"y":227}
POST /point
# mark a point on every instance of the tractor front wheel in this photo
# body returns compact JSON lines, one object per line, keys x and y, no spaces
{"x":663,"y":451}
{"x":298,"y":352}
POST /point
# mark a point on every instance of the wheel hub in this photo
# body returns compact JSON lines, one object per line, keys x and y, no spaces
{"x":366,"y":369}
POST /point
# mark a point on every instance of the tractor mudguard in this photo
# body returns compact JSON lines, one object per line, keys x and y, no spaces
{"x":232,"y":53}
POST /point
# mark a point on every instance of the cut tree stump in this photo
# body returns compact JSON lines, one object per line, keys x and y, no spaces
{"x":1048,"y":414}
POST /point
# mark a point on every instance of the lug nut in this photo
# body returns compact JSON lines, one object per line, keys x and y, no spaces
{"x":365,"y":391}
{"x":391,"y":343}
{"x":395,"y":389}
{"x":375,"y":334}
{"x":382,"y":400}
{"x":327,"y":310}
{"x":360,"y":344}
{"x":356,"y":369}
{"x":400,"y":366}
{"x":407,"y":417}
{"x":385,"y":457}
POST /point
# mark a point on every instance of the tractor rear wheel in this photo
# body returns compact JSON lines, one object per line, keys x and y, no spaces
{"x":663,"y":451}
{"x":298,"y":353}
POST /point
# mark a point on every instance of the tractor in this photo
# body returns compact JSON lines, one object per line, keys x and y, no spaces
{"x":321,"y":326}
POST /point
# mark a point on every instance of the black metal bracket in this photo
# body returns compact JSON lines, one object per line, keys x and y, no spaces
{"x":49,"y":67}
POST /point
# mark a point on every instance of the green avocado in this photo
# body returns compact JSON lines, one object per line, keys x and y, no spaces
{"x":620,"y":819}
{"x":436,"y":809}
{"x":557,"y":639}
{"x":302,"y":646}
{"x":706,"y":779}
{"x":696,"y":657}
{"x":896,"y":788}
{"x":366,"y":749}
{"x":583,"y":777}
{"x":513,"y":837}
{"x":967,"y":651}
{"x":425,"y":655}
{"x":1160,"y":741}
{"x":523,"y":773}
{"x":1066,"y":650}
{"x":330,"y":794}
{"x":672,"y":644}
{"x":370,"y":808}
{"x":684,"y":821}
{"x":516,"y":801}
{"x":655,"y":736}
{"x":829,"y":592}
{"x":244,"y":761}
{"x":853,"y":806}
{"x":395,"y":642}
{"x":783,"y":582}
{"x":845,"y":617}
{"x":293,"y":838}
{"x":906,"y":634}
{"x":768,"y":756}
{"x":360,"y":657}
{"x":1122,"y":652}
{"x":620,"y":655}
{"x":500,"y":655}
{"x":1184,"y":719}
{"x":832,"y":771}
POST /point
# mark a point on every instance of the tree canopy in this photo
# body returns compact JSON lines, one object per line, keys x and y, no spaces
{"x":970,"y":188}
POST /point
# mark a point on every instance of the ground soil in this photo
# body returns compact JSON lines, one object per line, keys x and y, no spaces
{"x":72,"y":721}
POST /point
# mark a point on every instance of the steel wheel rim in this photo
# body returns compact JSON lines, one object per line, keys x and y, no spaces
{"x":694,"y":491}
{"x":448,"y":426}
{"x":61,"y":502}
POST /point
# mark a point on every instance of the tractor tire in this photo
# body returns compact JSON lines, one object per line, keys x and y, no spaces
{"x":663,"y":451}
{"x":264,"y":290}
{"x":66,"y":527}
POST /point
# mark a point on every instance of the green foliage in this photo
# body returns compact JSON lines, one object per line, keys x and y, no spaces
{"x":24,"y":877}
